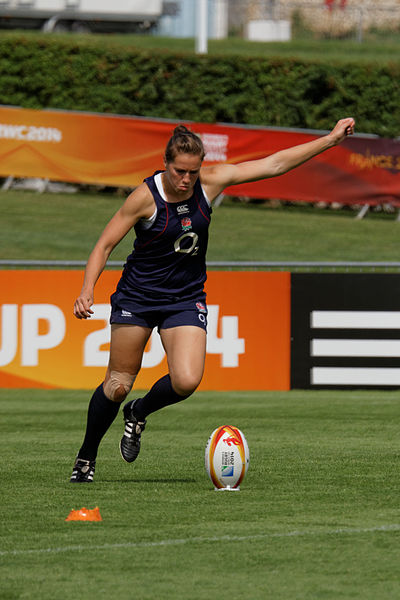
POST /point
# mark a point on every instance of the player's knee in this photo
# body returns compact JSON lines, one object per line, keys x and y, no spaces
{"x":185,"y":384}
{"x":118,"y":385}
{"x":120,"y":393}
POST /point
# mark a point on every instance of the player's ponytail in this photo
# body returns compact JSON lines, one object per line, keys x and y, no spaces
{"x":183,"y":141}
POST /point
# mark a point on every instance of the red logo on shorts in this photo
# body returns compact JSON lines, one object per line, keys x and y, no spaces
{"x":200,"y":306}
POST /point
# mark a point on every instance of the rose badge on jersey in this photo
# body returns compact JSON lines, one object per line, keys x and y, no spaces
{"x":227,"y":457}
{"x":186,"y":224}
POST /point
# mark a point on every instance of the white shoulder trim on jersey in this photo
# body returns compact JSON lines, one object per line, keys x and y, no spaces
{"x":147,"y":223}
{"x":159,"y":186}
{"x":205,"y":195}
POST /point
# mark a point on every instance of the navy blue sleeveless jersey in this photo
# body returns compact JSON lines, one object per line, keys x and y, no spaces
{"x":168,"y":262}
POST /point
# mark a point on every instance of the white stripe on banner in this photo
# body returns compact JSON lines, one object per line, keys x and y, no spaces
{"x":355,"y":319}
{"x":377,"y":348}
{"x":354,"y":376}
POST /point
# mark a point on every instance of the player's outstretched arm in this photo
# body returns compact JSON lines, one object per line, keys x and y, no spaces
{"x":215,"y":179}
{"x":139,"y":204}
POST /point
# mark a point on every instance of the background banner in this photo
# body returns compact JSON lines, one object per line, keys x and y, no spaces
{"x":345,"y":330}
{"x":121,"y":151}
{"x":43,"y":345}
{"x":266,"y":331}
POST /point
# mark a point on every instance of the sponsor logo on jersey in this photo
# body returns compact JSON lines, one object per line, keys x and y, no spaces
{"x":200,"y":307}
{"x":182,"y":209}
{"x":186,"y":223}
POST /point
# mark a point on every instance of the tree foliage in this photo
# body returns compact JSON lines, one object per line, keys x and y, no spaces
{"x":46,"y":72}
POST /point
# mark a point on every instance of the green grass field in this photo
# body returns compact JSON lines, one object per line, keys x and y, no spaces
{"x":66,"y":226}
{"x":378,"y":46}
{"x":318,"y":513}
{"x":317,"y":516}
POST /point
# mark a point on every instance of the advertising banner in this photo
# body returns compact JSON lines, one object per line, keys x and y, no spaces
{"x":266,"y":331}
{"x":43,"y":345}
{"x":345,"y":330}
{"x":122,"y":151}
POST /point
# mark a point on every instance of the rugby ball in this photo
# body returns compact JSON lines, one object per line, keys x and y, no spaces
{"x":227,"y":457}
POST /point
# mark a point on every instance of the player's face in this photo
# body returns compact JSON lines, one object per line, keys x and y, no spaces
{"x":183,"y":172}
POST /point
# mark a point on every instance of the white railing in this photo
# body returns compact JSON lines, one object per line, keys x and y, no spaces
{"x":229,"y":264}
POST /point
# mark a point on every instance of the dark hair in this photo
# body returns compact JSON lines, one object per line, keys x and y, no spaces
{"x":183,"y":141}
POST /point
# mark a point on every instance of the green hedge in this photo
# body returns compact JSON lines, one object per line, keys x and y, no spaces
{"x":49,"y":72}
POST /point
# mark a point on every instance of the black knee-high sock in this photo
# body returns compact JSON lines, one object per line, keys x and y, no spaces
{"x":161,"y":394}
{"x":101,"y":414}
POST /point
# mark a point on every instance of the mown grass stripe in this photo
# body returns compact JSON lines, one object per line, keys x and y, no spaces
{"x":198,"y":540}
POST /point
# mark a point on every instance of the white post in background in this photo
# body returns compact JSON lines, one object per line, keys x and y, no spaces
{"x":202,"y":27}
{"x":220,"y":21}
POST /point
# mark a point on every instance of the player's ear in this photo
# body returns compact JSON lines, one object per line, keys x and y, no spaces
{"x":165,"y":161}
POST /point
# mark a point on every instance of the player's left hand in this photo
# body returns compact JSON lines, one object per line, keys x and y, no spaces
{"x":82,"y":305}
{"x":342,"y":129}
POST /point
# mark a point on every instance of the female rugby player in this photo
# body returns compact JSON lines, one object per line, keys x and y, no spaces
{"x":162,"y":284}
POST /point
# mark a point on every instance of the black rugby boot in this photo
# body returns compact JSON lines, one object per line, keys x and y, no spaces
{"x":130,"y":443}
{"x":83,"y":471}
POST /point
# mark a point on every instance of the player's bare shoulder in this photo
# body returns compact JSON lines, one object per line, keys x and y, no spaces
{"x":216,"y":178}
{"x":140,"y":202}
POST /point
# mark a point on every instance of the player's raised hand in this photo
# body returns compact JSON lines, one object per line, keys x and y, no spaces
{"x":342,"y":129}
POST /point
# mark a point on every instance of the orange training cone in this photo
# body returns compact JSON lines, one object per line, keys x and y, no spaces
{"x":85,"y":514}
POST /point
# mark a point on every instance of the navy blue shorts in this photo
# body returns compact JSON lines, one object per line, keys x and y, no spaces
{"x":190,"y":312}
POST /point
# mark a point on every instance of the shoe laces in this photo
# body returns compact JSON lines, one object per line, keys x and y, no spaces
{"x":84,"y":465}
{"x":133,"y":427}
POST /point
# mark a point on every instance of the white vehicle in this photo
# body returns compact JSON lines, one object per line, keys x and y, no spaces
{"x":80,"y":15}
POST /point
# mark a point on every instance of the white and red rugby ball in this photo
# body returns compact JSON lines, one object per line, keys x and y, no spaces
{"x":227,"y":457}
